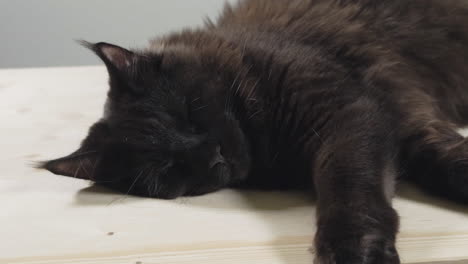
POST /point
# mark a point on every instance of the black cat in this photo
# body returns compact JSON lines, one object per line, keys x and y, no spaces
{"x":337,"y":96}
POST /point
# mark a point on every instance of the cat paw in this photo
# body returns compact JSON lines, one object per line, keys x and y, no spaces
{"x":371,"y":248}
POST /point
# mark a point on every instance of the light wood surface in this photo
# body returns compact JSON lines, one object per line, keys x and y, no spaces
{"x":44,"y":218}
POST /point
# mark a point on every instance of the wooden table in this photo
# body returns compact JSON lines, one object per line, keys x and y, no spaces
{"x":44,"y":218}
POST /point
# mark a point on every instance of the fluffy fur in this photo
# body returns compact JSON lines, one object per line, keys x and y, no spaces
{"x":340,"y":97}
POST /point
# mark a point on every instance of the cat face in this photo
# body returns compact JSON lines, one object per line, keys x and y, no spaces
{"x":163,"y":133}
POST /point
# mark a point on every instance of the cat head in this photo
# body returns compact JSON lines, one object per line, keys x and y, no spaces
{"x":165,"y":131}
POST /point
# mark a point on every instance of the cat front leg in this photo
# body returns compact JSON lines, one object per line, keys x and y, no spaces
{"x":354,"y":174}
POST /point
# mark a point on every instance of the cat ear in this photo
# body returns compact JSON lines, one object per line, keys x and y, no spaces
{"x":77,"y":165}
{"x":116,"y":58}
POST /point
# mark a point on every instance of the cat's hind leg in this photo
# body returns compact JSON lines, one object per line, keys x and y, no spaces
{"x":435,"y":157}
{"x":354,"y":176}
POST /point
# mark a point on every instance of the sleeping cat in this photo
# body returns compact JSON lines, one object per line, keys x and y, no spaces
{"x":339,"y":97}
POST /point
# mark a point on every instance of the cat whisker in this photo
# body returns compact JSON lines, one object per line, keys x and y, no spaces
{"x":228,"y":97}
{"x":256,"y":113}
{"x":317,"y":134}
{"x":94,"y":169}
{"x":153,"y":183}
{"x":253,"y":89}
{"x":234,"y":96}
{"x":80,"y":166}
{"x":130,"y":188}
{"x":240,"y":91}
{"x":200,"y":108}
{"x":243,"y":48}
{"x":135,"y":181}
{"x":238,"y":87}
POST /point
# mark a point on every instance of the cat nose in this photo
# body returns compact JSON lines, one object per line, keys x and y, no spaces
{"x":217,"y":158}
{"x":220,"y":169}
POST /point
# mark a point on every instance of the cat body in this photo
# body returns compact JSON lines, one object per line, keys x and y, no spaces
{"x":338,"y":97}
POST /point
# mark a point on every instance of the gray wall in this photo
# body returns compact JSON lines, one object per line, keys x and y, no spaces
{"x":38,"y":33}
